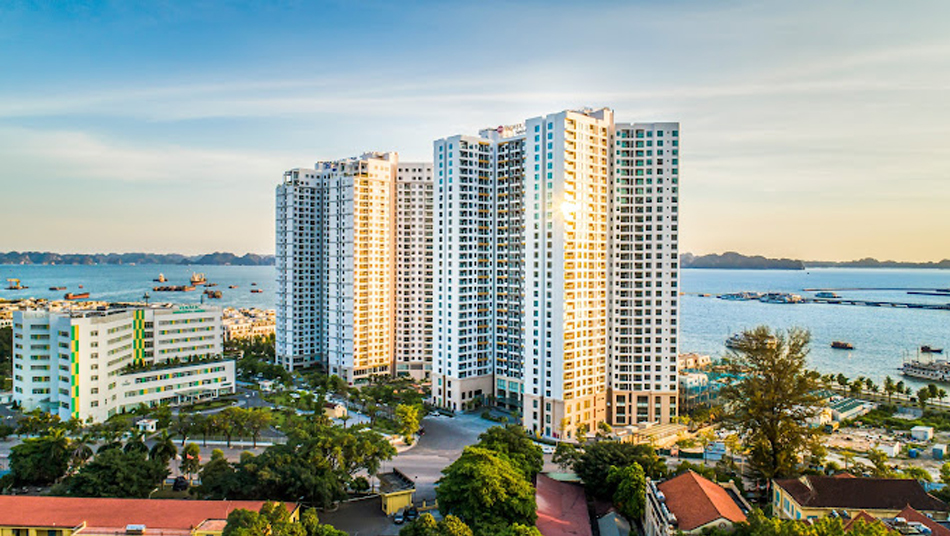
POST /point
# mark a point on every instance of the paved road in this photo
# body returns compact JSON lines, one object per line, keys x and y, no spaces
{"x":441,"y":445}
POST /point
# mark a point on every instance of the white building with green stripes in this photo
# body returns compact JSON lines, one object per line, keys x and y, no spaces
{"x":95,"y":364}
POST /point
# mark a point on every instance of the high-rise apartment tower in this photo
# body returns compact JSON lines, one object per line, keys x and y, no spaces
{"x":556,"y":271}
{"x":351,"y":261}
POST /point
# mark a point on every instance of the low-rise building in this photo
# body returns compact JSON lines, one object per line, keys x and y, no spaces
{"x":248,"y":323}
{"x":97,"y":363}
{"x":813,"y":497}
{"x":693,"y":361}
{"x":69,"y":516}
{"x":922,"y":433}
{"x":844,"y":408}
{"x":689,"y":504}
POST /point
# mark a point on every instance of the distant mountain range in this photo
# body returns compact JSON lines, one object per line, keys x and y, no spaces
{"x":36,"y":257}
{"x":729,"y":260}
{"x":733,"y":260}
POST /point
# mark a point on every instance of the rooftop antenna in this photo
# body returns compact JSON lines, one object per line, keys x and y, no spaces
{"x":146,"y":298}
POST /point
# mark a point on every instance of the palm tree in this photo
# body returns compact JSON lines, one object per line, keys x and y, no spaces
{"x":164,"y":449}
{"x":136,"y":443}
{"x":889,"y":388}
{"x":80,"y":450}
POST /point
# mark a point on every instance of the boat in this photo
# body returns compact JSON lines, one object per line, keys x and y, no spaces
{"x":174,"y":288}
{"x":256,"y":291}
{"x":232,"y":286}
{"x":841,"y":345}
{"x":780,"y":297}
{"x":827,"y":295}
{"x":211,"y":285}
{"x":161,"y":278}
{"x":926,"y":369}
{"x":198,"y":279}
{"x":80,"y":296}
{"x":737,"y":339}
{"x":741,"y":296}
{"x":14,"y":284}
{"x":57,"y":288}
{"x":253,"y":284}
{"x":213,"y":294}
{"x":925,"y":349}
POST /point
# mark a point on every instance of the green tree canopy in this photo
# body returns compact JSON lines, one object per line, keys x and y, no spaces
{"x":317,"y":462}
{"x":513,"y":442}
{"x":630,"y":487}
{"x":116,"y":473}
{"x":772,"y":402}
{"x":408,"y":417}
{"x":426,"y":525}
{"x":41,"y":460}
{"x":594,"y":464}
{"x":486,"y":491}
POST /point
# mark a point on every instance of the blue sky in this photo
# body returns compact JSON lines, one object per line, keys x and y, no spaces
{"x":817,"y":130}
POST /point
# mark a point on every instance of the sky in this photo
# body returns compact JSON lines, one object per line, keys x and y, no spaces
{"x":810,"y":129}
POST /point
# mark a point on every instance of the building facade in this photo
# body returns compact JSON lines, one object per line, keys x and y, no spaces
{"x":413,"y":284}
{"x":352,"y":287}
{"x":556,"y":271}
{"x":94,"y":364}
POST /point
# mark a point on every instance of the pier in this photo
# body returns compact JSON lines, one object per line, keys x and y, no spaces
{"x":875,"y":303}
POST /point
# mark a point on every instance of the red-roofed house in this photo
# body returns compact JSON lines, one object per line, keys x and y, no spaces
{"x":70,"y":516}
{"x":562,"y":508}
{"x":690,"y":503}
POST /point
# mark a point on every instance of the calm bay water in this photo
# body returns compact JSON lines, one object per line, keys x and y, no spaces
{"x":881,"y":335}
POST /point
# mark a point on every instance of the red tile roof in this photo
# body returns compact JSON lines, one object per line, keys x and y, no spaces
{"x":25,"y":511}
{"x":863,"y":516}
{"x":910,"y":514}
{"x":562,"y":508}
{"x":860,"y":493}
{"x":696,"y":501}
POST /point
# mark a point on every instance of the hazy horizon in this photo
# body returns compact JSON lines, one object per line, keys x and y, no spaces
{"x":809,"y":130}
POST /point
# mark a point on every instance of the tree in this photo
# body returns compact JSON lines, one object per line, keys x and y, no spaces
{"x":317,"y":463}
{"x":274,"y":520}
{"x":41,"y":460}
{"x":182,"y":426}
{"x":426,"y":525}
{"x":879,"y":460}
{"x":231,"y":421}
{"x":190,"y":459}
{"x":486,"y":492}
{"x":513,"y":442}
{"x":945,"y":473}
{"x":164,"y":449}
{"x":630,"y":486}
{"x":923,"y":395}
{"x":594,"y":464}
{"x":773,"y":401}
{"x":136,"y":443}
{"x":407,"y":418}
{"x":889,"y":388}
{"x":518,"y":529}
{"x":604,"y":430}
{"x":256,"y":420}
{"x":566,"y":455}
{"x":847,"y":456}
{"x":80,"y":450}
{"x":918,"y":473}
{"x":117,"y":473}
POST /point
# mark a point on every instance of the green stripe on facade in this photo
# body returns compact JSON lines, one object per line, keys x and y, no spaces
{"x":138,"y":324}
{"x":74,"y":366}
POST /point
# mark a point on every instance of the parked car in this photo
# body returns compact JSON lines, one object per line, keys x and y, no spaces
{"x":411,"y":513}
{"x":180,"y":484}
{"x":399,"y":518}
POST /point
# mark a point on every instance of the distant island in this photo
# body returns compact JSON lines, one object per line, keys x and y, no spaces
{"x":732,"y":260}
{"x":736,"y":261}
{"x":86,"y":259}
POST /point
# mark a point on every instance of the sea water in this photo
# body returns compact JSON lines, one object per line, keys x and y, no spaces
{"x":882,"y":336}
